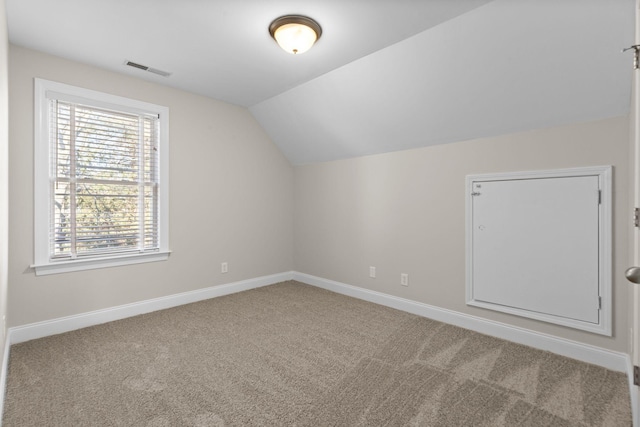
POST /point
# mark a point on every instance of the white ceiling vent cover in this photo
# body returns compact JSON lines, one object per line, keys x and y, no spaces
{"x":149,"y":69}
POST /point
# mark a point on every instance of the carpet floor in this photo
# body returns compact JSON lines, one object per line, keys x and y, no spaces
{"x":295,"y":355}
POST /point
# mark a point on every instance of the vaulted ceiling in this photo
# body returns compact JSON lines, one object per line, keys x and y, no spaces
{"x":386,"y":75}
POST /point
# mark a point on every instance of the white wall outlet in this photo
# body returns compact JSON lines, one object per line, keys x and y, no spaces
{"x":372,"y":272}
{"x":404,"y":279}
{"x":224,"y":267}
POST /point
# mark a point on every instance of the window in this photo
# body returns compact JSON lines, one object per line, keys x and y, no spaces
{"x":100,"y":179}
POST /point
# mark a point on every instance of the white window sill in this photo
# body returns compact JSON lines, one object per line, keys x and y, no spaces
{"x":67,"y":266}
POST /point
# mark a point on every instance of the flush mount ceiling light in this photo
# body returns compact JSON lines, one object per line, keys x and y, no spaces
{"x":295,"y":33}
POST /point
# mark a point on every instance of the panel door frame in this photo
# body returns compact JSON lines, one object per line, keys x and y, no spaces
{"x":604,"y":174}
{"x":634,"y":234}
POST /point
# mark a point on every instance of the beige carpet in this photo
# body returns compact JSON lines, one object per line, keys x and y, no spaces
{"x":292,"y":354}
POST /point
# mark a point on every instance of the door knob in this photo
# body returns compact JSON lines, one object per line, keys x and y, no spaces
{"x":633,"y":274}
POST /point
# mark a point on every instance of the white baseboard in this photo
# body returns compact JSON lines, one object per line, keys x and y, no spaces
{"x":65,"y":324}
{"x":598,"y":356}
{"x":587,"y":353}
{"x":584,"y":352}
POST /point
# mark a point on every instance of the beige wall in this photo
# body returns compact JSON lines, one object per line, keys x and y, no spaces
{"x":4,"y":174}
{"x":404,"y":212}
{"x":231,"y":198}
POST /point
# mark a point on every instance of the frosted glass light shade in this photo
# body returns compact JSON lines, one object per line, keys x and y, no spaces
{"x":295,"y":34}
{"x":295,"y":38}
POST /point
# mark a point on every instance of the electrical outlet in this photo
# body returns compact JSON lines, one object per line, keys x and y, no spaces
{"x":404,"y":279}
{"x":224,"y":267}
{"x":372,"y":272}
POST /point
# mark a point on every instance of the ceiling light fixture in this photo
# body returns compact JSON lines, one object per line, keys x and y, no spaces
{"x":295,"y":33}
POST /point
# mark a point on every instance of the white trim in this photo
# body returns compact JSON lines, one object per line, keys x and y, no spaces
{"x":584,"y":352}
{"x":587,"y":353}
{"x":604,"y":174}
{"x":65,"y":324}
{"x":44,"y":88}
{"x":4,"y":371}
{"x":103,"y":262}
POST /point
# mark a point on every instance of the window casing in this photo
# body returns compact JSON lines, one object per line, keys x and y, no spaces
{"x":101,"y":188}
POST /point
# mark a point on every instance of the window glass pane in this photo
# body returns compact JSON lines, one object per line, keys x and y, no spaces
{"x":61,"y":139}
{"x":107,"y":145}
{"x":150,"y":150}
{"x":61,"y":224}
{"x":151,"y":216}
{"x":106,"y":217}
{"x":105,"y":164}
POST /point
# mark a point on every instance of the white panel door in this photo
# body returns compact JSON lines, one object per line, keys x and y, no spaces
{"x":535,"y":245}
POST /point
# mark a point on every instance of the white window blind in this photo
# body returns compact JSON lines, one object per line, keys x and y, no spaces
{"x":105,"y":188}
{"x":104,"y":193}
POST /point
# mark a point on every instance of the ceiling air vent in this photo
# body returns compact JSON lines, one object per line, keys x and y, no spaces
{"x":149,"y":69}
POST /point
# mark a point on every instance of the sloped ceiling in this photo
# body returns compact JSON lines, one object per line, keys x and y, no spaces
{"x":386,"y":75}
{"x":511,"y":65}
{"x":219,"y":48}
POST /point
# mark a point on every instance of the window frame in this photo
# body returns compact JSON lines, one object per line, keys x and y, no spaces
{"x":45,"y":90}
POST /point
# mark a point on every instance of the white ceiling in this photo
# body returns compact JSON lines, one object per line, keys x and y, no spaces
{"x":386,"y":75}
{"x":219,"y":48}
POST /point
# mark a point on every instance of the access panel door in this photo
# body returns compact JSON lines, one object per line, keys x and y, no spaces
{"x":535,"y":246}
